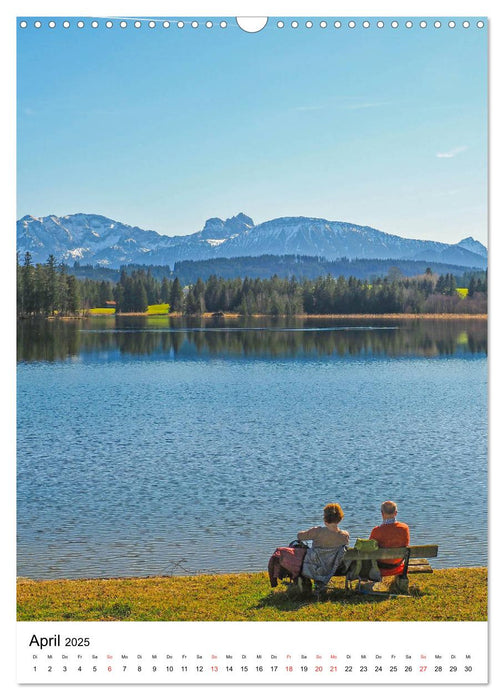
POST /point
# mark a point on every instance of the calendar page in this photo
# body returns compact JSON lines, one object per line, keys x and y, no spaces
{"x":252,"y":305}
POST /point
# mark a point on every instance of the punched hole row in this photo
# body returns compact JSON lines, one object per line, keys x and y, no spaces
{"x":280,"y":24}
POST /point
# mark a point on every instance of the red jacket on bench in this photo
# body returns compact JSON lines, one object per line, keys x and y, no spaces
{"x":391,"y":535}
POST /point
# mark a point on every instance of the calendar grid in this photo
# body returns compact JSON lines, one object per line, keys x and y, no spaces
{"x":220,"y":653}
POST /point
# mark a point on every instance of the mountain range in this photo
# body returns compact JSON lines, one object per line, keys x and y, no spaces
{"x":98,"y":240}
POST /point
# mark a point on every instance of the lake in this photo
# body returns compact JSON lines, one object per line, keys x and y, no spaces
{"x":153,"y":446}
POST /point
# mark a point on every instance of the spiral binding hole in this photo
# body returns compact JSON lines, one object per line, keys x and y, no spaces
{"x":280,"y":24}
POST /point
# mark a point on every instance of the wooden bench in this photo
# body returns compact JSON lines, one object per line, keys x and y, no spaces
{"x":416,"y":559}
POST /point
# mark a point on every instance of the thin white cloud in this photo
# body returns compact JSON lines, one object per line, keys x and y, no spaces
{"x":451,"y":154}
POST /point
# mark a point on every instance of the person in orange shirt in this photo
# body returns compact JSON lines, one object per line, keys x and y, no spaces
{"x":390,"y":533}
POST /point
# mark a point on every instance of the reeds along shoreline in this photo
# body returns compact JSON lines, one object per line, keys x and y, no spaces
{"x":229,"y":315}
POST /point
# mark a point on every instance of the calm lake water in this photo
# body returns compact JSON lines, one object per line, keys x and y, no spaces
{"x":151,"y":447}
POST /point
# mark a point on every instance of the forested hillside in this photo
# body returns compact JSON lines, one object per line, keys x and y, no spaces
{"x":49,"y":289}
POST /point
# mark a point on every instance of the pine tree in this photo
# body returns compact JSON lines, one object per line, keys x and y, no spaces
{"x":212,"y":290}
{"x":140,"y":299}
{"x":72,"y":295}
{"x":191,"y":304}
{"x":61,"y":305}
{"x":199,"y":296}
{"x":164,"y":294}
{"x":19,"y":287}
{"x":177,"y":296}
{"x":51,"y":301}
{"x":28,"y":285}
{"x":441,"y":285}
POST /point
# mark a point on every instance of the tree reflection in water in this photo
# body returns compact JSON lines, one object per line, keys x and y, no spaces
{"x":51,"y":341}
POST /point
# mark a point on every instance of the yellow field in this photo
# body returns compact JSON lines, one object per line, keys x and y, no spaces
{"x":100,"y":312}
{"x":462,"y":291}
{"x":156,"y":309}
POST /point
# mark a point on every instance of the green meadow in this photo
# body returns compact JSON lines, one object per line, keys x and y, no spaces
{"x":447,"y":594}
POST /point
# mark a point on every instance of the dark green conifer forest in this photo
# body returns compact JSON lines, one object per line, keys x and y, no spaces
{"x":51,"y":289}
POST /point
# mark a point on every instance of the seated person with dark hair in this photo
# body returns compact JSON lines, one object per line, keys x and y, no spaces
{"x":329,"y":534}
{"x":391,"y":533}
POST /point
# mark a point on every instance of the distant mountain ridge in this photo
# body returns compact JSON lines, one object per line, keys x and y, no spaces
{"x":98,"y":240}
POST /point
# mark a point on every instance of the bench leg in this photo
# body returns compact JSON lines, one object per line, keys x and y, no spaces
{"x":401,"y":584}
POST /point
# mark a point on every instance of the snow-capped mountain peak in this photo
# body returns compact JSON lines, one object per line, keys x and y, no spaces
{"x":228,"y":227}
{"x":95,"y":239}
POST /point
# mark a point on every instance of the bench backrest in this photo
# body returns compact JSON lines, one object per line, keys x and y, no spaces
{"x":417,"y":551}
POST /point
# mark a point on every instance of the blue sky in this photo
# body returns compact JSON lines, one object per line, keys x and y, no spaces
{"x":164,"y":128}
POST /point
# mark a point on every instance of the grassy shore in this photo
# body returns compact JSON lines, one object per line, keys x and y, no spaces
{"x":446,"y":317}
{"x":447,"y":594}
